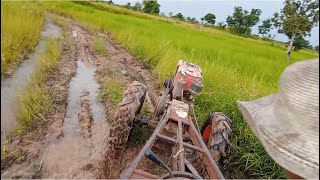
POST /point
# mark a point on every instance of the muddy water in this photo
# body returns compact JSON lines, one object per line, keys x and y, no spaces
{"x":83,"y":80}
{"x":17,"y":82}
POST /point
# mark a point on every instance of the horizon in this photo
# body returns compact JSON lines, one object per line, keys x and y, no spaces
{"x":197,"y":9}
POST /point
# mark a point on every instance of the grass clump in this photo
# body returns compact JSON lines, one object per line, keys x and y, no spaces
{"x":21,"y":25}
{"x":10,"y":156}
{"x":99,"y":46}
{"x":36,"y":98}
{"x":234,"y":68}
{"x":111,"y":90}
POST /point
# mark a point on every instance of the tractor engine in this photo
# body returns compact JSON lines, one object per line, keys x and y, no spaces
{"x":187,"y":81}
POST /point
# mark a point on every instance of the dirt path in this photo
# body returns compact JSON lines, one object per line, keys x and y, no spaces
{"x":76,"y":141}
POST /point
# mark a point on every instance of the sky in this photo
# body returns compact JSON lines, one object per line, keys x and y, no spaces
{"x":223,"y":8}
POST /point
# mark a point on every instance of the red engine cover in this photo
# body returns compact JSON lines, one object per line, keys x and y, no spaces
{"x":192,"y":72}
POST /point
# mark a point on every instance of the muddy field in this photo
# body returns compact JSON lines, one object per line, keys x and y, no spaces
{"x":73,"y":142}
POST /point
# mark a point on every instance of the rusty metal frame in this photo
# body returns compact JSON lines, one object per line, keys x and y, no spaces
{"x":132,"y":172}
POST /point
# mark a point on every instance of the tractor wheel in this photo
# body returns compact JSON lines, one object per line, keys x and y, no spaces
{"x":167,"y":83}
{"x":124,"y":117}
{"x":215,"y":133}
{"x":162,"y":102}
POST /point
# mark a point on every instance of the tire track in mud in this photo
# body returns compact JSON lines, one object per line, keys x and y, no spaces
{"x":76,"y":153}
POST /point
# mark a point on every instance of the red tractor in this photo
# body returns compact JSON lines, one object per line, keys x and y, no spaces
{"x":195,"y":154}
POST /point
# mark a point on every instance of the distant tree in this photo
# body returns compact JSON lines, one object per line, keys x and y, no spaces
{"x":192,"y":20}
{"x":110,"y":2}
{"x":241,"y":21}
{"x":297,"y":18}
{"x":170,"y":14}
{"x":316,"y":48}
{"x":128,"y":6}
{"x":202,"y":19}
{"x":210,"y":18}
{"x":221,"y":25}
{"x":162,"y":14}
{"x":151,"y":7}
{"x":265,"y":27}
{"x":137,"y":6}
{"x":179,"y":16}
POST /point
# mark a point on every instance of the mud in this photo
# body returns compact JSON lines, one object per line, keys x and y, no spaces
{"x":83,"y":80}
{"x":11,"y":86}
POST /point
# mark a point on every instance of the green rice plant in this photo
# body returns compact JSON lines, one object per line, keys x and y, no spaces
{"x":36,"y":98}
{"x":99,"y":46}
{"x":21,"y":24}
{"x":111,"y":90}
{"x":234,"y":68}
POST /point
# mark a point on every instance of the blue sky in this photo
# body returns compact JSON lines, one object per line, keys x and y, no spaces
{"x":223,"y":8}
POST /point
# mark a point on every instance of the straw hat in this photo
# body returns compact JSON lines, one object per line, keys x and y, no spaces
{"x":287,"y":123}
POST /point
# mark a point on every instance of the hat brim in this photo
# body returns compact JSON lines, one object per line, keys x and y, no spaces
{"x":282,"y":142}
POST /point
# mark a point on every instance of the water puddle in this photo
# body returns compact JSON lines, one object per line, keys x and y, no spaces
{"x":83,"y":80}
{"x":17,"y":82}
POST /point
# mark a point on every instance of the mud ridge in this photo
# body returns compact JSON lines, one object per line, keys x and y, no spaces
{"x":85,"y":116}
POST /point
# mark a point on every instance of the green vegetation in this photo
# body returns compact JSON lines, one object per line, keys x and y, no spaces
{"x":99,"y":45}
{"x":297,"y":18}
{"x":234,"y":68}
{"x":36,"y":98}
{"x":242,"y":21}
{"x":21,"y":24}
{"x":8,"y":156}
{"x":111,"y":90}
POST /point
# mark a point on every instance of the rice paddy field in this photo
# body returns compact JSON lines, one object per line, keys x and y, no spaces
{"x":234,"y":68}
{"x":21,"y":24}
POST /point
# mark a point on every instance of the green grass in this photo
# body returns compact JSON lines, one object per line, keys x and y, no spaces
{"x":111,"y":90}
{"x":36,"y":98}
{"x":234,"y":68}
{"x":21,"y":25}
{"x":99,"y":45}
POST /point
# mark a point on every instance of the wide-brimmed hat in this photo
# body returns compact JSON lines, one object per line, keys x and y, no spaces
{"x":287,"y":123}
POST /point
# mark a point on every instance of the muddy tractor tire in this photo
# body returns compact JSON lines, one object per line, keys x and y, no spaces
{"x":129,"y":107}
{"x":216,"y":132}
{"x":162,"y":102}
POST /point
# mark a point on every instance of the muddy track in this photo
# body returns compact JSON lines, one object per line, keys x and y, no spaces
{"x":76,"y":135}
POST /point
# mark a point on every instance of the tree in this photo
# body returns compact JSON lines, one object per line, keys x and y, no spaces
{"x":163,"y":14}
{"x":202,"y":19}
{"x":316,"y":48}
{"x":137,"y":6}
{"x":151,"y":7}
{"x":110,"y":2}
{"x":221,"y":25}
{"x":192,"y":20}
{"x":241,"y":21}
{"x":128,"y":5}
{"x":179,"y":16}
{"x":170,"y":14}
{"x":210,"y":18}
{"x":300,"y":43}
{"x":265,"y":27}
{"x":296,"y":18}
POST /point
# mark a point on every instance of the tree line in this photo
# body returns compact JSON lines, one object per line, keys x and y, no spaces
{"x":295,"y":20}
